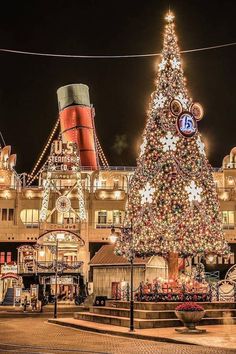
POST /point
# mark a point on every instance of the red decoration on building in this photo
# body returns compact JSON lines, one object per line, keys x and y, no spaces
{"x":77,"y":122}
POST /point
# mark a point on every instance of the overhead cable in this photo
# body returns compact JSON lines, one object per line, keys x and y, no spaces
{"x":75,"y":56}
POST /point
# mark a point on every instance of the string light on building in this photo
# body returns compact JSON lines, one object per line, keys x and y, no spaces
{"x":51,"y":136}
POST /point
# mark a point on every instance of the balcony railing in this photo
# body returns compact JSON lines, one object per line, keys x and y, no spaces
{"x":228,"y":226}
{"x":49,"y":267}
{"x":107,"y":226}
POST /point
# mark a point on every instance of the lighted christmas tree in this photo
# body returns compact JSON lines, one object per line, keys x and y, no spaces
{"x":173,"y":205}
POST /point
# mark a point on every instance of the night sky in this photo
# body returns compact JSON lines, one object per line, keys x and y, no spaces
{"x":119,"y":88}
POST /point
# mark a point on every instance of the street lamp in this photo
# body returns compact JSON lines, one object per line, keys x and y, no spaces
{"x":59,"y":237}
{"x":113,"y":238}
{"x":41,"y":252}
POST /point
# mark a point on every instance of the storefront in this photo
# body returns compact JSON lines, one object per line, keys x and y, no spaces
{"x":53,"y":263}
{"x":8,"y":280}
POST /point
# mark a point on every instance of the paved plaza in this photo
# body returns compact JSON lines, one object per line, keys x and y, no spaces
{"x":35,"y":335}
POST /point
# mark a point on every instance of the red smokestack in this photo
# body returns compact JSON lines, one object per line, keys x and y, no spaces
{"x":77,"y":121}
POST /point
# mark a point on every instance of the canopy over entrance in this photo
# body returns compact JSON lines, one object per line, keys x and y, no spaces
{"x":63,"y":237}
{"x":9,"y":276}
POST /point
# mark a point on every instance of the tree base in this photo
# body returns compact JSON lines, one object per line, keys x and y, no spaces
{"x":173,"y":270}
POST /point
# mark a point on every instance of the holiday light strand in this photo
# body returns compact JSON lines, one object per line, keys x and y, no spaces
{"x":47,"y":145}
{"x":32,"y":179}
{"x":75,"y":56}
{"x":101,"y":153}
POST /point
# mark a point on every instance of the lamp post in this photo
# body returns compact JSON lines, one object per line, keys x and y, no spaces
{"x":56,"y":272}
{"x":113,"y":239}
{"x":59,"y":237}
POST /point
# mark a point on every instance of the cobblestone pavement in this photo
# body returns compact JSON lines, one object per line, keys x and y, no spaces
{"x":35,"y":335}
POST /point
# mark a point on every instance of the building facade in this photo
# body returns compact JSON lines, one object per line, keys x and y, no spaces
{"x":61,"y":221}
{"x":105,"y":195}
{"x":26,"y":241}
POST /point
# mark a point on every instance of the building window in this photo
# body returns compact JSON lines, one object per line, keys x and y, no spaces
{"x":30,"y":217}
{"x":8,"y":257}
{"x":117,"y":217}
{"x":4,"y":214}
{"x":7,"y":214}
{"x":103,"y":183}
{"x":68,"y":221}
{"x":10,"y":214}
{"x":228,"y":219}
{"x":116,"y":184}
{"x":102,"y":217}
{"x":2,"y":257}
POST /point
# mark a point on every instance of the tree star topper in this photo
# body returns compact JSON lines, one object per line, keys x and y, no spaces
{"x":169,"y":16}
{"x":147,"y":193}
{"x":194,"y":192}
{"x":169,"y":142}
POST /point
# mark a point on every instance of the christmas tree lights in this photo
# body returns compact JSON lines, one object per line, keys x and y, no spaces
{"x":173,"y":205}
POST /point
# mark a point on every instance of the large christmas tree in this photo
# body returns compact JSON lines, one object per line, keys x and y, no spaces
{"x":172,"y":205}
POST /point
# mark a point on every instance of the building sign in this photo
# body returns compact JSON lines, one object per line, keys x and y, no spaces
{"x":62,"y":280}
{"x":63,"y":175}
{"x":64,"y":155}
{"x":17,"y":295}
{"x":52,"y":227}
{"x":9,"y":268}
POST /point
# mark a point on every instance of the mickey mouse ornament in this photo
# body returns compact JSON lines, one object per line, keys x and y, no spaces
{"x":186,"y":121}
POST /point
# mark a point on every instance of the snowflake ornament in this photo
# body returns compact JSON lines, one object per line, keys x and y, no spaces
{"x":169,"y":142}
{"x":175,"y":63}
{"x":143,"y":146}
{"x":159,"y":101}
{"x":182,"y":99}
{"x":194,"y":192}
{"x":147,"y":193}
{"x":201,"y":146}
{"x":162,"y":64}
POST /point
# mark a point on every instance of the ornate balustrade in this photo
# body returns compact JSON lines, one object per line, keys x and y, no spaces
{"x":35,"y":267}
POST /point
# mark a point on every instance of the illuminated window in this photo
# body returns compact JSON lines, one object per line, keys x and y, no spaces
{"x":8,"y":257}
{"x":69,"y":217}
{"x":68,"y":220}
{"x":30,"y":217}
{"x":103,"y":183}
{"x":117,"y":217}
{"x":10,"y":214}
{"x":116,"y":184}
{"x":4,"y":214}
{"x":102,"y":217}
{"x":2,"y":257}
{"x":227,"y":218}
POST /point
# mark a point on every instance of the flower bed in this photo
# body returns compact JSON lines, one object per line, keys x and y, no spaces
{"x":189,"y":306}
{"x":173,"y":297}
